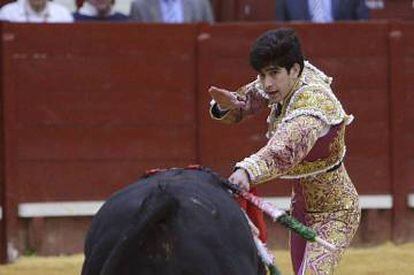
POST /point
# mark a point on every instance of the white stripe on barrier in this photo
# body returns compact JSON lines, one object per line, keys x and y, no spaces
{"x":376,"y":201}
{"x":410,"y":200}
{"x":58,"y":209}
{"x":89,"y":208}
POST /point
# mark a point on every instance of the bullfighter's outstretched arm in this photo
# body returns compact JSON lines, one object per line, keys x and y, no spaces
{"x":246,"y":101}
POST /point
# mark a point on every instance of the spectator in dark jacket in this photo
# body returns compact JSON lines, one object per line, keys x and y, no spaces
{"x":99,"y":10}
{"x":321,"y":11}
{"x":171,"y":11}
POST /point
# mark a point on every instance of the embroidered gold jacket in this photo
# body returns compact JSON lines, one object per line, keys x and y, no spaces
{"x":306,"y":133}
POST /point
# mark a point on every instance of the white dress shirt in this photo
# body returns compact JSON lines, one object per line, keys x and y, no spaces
{"x":20,"y":11}
{"x":320,"y":11}
{"x":172,"y":11}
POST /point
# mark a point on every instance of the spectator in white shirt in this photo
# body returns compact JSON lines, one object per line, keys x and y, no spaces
{"x":35,"y":11}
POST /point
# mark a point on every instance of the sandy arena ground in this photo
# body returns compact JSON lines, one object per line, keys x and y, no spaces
{"x":385,"y":259}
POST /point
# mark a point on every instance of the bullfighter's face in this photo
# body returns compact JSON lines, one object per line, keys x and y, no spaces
{"x":278,"y":82}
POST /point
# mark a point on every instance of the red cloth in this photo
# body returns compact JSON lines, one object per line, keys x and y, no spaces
{"x":255,"y":215}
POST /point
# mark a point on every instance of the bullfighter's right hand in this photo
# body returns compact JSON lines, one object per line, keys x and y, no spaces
{"x":225,"y":99}
{"x":240,"y":178}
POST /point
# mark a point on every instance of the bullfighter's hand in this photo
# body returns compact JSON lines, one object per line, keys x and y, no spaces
{"x":240,"y":178}
{"x":225,"y":99}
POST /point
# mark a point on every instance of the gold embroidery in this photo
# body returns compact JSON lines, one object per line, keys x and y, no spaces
{"x":312,"y":97}
{"x":317,"y":100}
{"x":336,"y":153}
{"x":257,"y":169}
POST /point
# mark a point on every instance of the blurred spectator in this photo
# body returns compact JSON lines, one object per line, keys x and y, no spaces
{"x":321,"y":11}
{"x":171,"y":11}
{"x":36,"y":11}
{"x":99,"y":10}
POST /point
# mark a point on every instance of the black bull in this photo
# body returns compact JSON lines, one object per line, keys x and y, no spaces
{"x":179,"y":221}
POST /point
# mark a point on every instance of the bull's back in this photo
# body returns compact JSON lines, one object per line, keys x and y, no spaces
{"x":174,"y":222}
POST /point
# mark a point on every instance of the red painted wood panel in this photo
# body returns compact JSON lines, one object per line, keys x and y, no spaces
{"x":360,"y":68}
{"x":408,"y":78}
{"x":106,"y":108}
{"x":3,"y":237}
{"x":102,"y":142}
{"x":101,"y":40}
{"x":101,"y":74}
{"x":398,"y":142}
{"x":90,"y":110}
{"x":405,"y":227}
{"x":101,"y":91}
{"x":75,"y":180}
